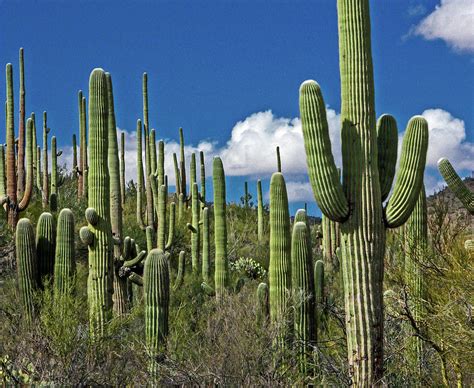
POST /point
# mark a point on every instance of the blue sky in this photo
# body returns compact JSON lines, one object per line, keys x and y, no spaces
{"x":228,"y":72}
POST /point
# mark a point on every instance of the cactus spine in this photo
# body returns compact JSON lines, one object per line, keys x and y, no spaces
{"x":45,"y":245}
{"x":157,"y":294}
{"x":26,"y":265}
{"x":119,"y":284}
{"x":221,"y":273}
{"x":363,"y":227}
{"x":455,"y":183}
{"x":416,"y":240}
{"x":206,"y":249}
{"x":302,"y":282}
{"x":122,"y":167}
{"x":21,"y":131}
{"x":280,"y":256}
{"x":98,"y":235}
{"x":259,"y":211}
{"x":65,"y":261}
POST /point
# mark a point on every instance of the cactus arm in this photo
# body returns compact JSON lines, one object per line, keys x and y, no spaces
{"x":410,"y":175}
{"x":177,"y":174}
{"x":387,"y":146}
{"x":150,"y":237}
{"x":135,"y":261}
{"x":29,"y":167}
{"x":160,"y":167}
{"x":152,"y":145}
{"x":140,"y":179}
{"x":181,"y":269}
{"x":208,"y":290}
{"x":161,"y":211}
{"x":135,"y":279}
{"x":171,"y":228}
{"x":202,"y":194}
{"x":322,"y":170}
{"x":85,"y":172}
{"x":278,"y":159}
{"x":456,"y":185}
{"x":87,"y":237}
{"x":74,"y":155}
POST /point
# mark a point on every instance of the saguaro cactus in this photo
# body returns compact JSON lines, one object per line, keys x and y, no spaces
{"x":246,"y":194}
{"x":263,"y":311}
{"x":278,"y":159}
{"x":122,"y":167}
{"x":221,"y":273}
{"x":26,"y":265}
{"x":45,"y":191}
{"x":416,"y":244}
{"x":9,"y":196}
{"x":65,"y":260}
{"x":302,"y":283}
{"x":331,"y":241}
{"x":280,"y":256}
{"x":140,"y":179}
{"x":55,"y":182}
{"x":194,"y":227}
{"x":156,"y":284}
{"x":319,"y":292}
{"x":357,"y":203}
{"x":161,"y":206}
{"x":172,"y":225}
{"x":74,"y":156}
{"x":98,"y":235}
{"x":203,"y":180}
{"x":455,"y":183}
{"x":45,"y":245}
{"x":177,"y":174}
{"x":182,"y":163}
{"x":20,"y":163}
{"x":259,"y":211}
{"x":81,"y":182}
{"x":181,"y":268}
{"x":38,"y":169}
{"x":120,"y":284}
{"x":3,"y":178}
{"x":205,"y":245}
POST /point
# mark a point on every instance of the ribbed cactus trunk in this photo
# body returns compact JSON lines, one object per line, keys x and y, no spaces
{"x":221,"y":272}
{"x":45,"y":190}
{"x":246,"y":194}
{"x":416,"y":244}
{"x":195,"y":209}
{"x":150,"y":215}
{"x":263,"y":308}
{"x":182,"y":163}
{"x":203,"y":180}
{"x":26,"y":265}
{"x":74,"y":156}
{"x":122,"y":167}
{"x":260,"y":222}
{"x":152,"y":145}
{"x":3,"y":178}
{"x":82,"y":146}
{"x":454,"y":182}
{"x":119,"y":297}
{"x":206,"y":248}
{"x":161,"y":206}
{"x":302,"y":283}
{"x":331,"y":241}
{"x":171,"y":226}
{"x":55,"y":182}
{"x":156,"y":285}
{"x":38,"y":169}
{"x":98,"y":235}
{"x":65,"y":260}
{"x":177,"y":175}
{"x":85,"y":182}
{"x":140,"y":179}
{"x":180,"y":206}
{"x":319,"y":294}
{"x":192,"y":171}
{"x":181,"y":269}
{"x":20,"y":163}
{"x":363,"y":225}
{"x":160,"y":167}
{"x":45,"y":246}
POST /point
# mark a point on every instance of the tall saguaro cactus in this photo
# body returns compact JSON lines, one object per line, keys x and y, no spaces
{"x":259,"y":211}
{"x":221,"y":273}
{"x":14,"y":204}
{"x":64,"y":262}
{"x":98,"y":235}
{"x":45,"y":245}
{"x":55,"y":181}
{"x":357,"y":203}
{"x":203,"y":180}
{"x":21,"y":179}
{"x":280,"y":256}
{"x":182,"y":163}
{"x":45,"y":191}
{"x":81,"y":182}
{"x":416,"y":244}
{"x":455,"y":183}
{"x":140,"y":179}
{"x":122,"y":167}
{"x":206,"y":251}
{"x":194,"y":228}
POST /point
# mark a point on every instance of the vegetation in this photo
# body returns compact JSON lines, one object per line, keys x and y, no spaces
{"x":228,"y":294}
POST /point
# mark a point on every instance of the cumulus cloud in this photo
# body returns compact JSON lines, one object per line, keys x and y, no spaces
{"x":452,"y":22}
{"x":299,"y":191}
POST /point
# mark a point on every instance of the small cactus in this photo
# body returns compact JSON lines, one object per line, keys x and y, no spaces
{"x":263,"y":311}
{"x":65,"y":260}
{"x":181,"y":271}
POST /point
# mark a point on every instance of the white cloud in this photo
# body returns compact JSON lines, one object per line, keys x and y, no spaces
{"x":299,"y":191}
{"x":451,"y":21}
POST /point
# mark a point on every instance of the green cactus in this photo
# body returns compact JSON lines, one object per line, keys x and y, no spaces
{"x":357,"y":203}
{"x":454,"y":182}
{"x":140,"y":179}
{"x":152,"y":145}
{"x":177,"y":174}
{"x":194,"y":228}
{"x":280,"y":256}
{"x":74,"y":156}
{"x":319,"y":294}
{"x":55,"y":181}
{"x":156,"y":285}
{"x":34,"y":144}
{"x":45,"y":245}
{"x":85,"y":188}
{"x":98,"y":234}
{"x":182,"y":163}
{"x":260,"y":222}
{"x":150,"y":238}
{"x":65,"y":260}
{"x":181,"y":270}
{"x":302,"y":282}
{"x":278,"y":159}
{"x":45,"y":190}
{"x":122,"y":167}
{"x":27,"y":272}
{"x":119,"y":296}
{"x":416,"y":244}
{"x":172,"y":225}
{"x":263,"y":311}
{"x":331,"y":241}
{"x":3,"y":178}
{"x":160,"y":170}
{"x":15,"y":204}
{"x":192,"y":171}
{"x":162,"y":197}
{"x":180,"y":206}
{"x":206,"y":248}
{"x":150,"y":212}
{"x":38,"y":169}
{"x":81,"y":182}
{"x":221,"y":273}
{"x":203,"y":180}
{"x":20,"y":163}
{"x":246,"y":195}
